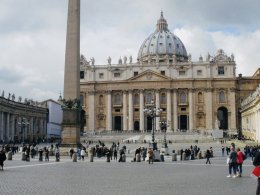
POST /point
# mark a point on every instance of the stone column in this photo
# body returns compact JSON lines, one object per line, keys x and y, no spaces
{"x":124,"y":111}
{"x":91,"y":111}
{"x":130,"y":117}
{"x":109,"y":111}
{"x":208,"y":102}
{"x":175,"y":111}
{"x":141,"y":110}
{"x":1,"y":125}
{"x":7,"y":127}
{"x":72,"y":55}
{"x":191,"y":114}
{"x":71,"y":124}
{"x":169,"y":111}
{"x":157,"y":104}
{"x":232,"y":103}
{"x":12,"y":127}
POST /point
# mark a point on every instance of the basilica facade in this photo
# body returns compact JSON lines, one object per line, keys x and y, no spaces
{"x":191,"y":95}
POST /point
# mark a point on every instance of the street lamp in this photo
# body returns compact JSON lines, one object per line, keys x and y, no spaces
{"x":163,"y":125}
{"x":23,"y":124}
{"x":152,"y":112}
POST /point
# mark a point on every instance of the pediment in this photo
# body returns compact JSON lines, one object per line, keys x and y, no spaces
{"x":149,"y":75}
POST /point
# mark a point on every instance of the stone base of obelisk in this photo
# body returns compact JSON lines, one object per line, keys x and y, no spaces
{"x":70,"y":131}
{"x":70,"y":139}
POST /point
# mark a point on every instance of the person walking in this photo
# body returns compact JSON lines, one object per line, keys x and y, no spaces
{"x":256,"y":163}
{"x":82,"y":153}
{"x":240,"y":160}
{"x":232,"y":164}
{"x":2,"y":158}
{"x":150,"y":155}
{"x":208,"y":155}
{"x":115,"y":154}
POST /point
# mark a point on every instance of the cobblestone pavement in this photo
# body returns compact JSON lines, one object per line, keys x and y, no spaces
{"x":114,"y":178}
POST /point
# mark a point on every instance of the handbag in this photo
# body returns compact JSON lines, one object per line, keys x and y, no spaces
{"x":256,"y":171}
{"x":228,"y":160}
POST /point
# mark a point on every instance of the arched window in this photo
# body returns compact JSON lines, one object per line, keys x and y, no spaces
{"x":183,"y":98}
{"x":149,"y":98}
{"x":136,"y":99}
{"x":101,"y":100}
{"x":163,"y":98}
{"x":117,"y":99}
{"x":200,"y":97}
{"x":222,"y":97}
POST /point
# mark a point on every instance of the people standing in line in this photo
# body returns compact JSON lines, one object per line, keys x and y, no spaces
{"x":232,"y":164}
{"x":2,"y":158}
{"x":240,"y":159}
{"x":150,"y":155}
{"x":208,"y":155}
{"x":256,"y":163}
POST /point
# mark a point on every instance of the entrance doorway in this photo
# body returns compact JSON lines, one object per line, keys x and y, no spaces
{"x":136,"y":126}
{"x":183,"y":122}
{"x":118,"y":123}
{"x":223,"y":118}
{"x":149,"y":123}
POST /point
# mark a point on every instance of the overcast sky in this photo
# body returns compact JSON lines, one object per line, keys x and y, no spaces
{"x":32,"y":36}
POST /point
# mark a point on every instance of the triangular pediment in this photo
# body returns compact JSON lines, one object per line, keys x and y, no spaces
{"x":149,"y":75}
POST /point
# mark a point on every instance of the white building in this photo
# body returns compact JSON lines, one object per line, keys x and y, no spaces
{"x":54,"y":119}
{"x":251,"y":115}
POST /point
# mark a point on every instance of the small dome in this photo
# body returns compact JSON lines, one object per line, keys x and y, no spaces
{"x":162,"y":44}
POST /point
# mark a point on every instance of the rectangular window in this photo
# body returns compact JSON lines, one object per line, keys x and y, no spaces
{"x":117,"y":110}
{"x":101,"y":75}
{"x":82,"y":74}
{"x":135,"y":73}
{"x":182,"y":72}
{"x":136,"y":109}
{"x":199,"y":72}
{"x":183,"y":109}
{"x":221,"y":70}
{"x":116,"y":74}
{"x":162,"y":72}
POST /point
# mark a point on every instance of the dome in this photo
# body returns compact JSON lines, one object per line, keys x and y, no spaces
{"x":162,"y":45}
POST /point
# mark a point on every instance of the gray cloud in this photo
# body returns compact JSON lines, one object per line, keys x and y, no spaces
{"x":32,"y":35}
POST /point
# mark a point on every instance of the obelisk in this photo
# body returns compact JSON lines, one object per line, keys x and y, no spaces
{"x":71,"y":113}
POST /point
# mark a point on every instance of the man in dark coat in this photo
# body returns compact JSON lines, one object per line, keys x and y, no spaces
{"x":2,"y":158}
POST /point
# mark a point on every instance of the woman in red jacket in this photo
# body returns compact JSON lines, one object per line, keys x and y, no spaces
{"x":240,"y":159}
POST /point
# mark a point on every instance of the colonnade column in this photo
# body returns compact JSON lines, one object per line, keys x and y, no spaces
{"x":190,"y":109}
{"x":91,"y":111}
{"x":157,"y":105}
{"x":141,"y":110}
{"x":209,"y":109}
{"x":233,"y":109}
{"x":124,"y":111}
{"x":169,"y":111}
{"x":130,"y":109}
{"x":175,"y":115}
{"x":12,"y":127}
{"x":109,"y":112}
{"x":7,"y":135}
{"x":1,"y":125}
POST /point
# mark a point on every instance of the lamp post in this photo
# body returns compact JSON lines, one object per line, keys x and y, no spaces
{"x":152,"y":112}
{"x":163,"y":125}
{"x":23,"y":124}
